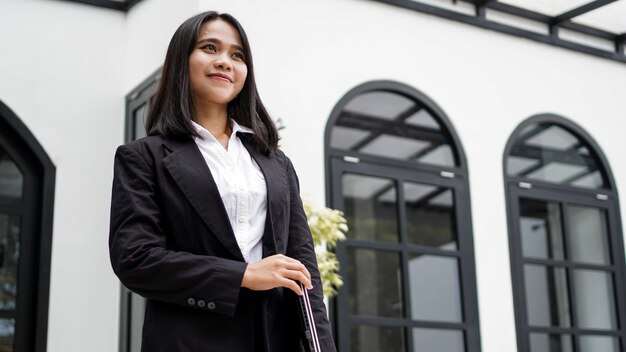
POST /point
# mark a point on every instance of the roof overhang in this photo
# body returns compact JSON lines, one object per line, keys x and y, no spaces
{"x":595,"y":27}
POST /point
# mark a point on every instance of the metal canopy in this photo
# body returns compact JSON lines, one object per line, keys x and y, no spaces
{"x":595,"y":27}
{"x":120,"y":5}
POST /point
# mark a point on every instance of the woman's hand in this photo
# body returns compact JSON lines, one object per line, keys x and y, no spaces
{"x":276,"y":271}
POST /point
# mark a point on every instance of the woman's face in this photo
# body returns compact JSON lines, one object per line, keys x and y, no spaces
{"x":217,"y":69}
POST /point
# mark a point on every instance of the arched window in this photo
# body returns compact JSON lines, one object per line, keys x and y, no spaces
{"x":567,"y":256}
{"x":26,"y":203}
{"x":397,"y":170}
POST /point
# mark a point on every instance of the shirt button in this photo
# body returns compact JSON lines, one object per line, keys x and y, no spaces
{"x":241,"y":219}
{"x":211,"y":305}
{"x":191,"y":301}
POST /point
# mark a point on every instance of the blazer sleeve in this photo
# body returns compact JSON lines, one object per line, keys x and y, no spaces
{"x":139,"y":253}
{"x":301,"y":247}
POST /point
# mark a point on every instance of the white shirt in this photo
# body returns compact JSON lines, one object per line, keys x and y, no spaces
{"x":242,"y":187}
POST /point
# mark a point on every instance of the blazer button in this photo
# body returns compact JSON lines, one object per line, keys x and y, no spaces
{"x":201,"y":303}
{"x":191,"y":301}
{"x":211,"y":305}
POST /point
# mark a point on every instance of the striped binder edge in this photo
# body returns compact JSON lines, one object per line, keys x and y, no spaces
{"x":308,"y":322}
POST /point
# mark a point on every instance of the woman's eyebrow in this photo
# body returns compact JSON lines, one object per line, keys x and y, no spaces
{"x":217,"y":41}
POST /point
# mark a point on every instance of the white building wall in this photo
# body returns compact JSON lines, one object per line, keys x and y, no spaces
{"x":65,"y":69}
{"x":149,"y":28}
{"x":61,"y":73}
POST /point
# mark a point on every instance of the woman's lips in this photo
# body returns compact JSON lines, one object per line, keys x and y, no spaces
{"x":220,"y":78}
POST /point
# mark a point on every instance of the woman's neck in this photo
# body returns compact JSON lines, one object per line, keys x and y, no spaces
{"x":215,"y":120}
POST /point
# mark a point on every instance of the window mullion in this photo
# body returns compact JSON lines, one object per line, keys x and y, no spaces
{"x":406,"y":284}
{"x":569,"y":275}
{"x":517,"y":267}
{"x":617,"y":256}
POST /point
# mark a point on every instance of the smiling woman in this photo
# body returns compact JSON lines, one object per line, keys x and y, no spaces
{"x":200,"y":44}
{"x":206,"y":218}
{"x":217,"y":72}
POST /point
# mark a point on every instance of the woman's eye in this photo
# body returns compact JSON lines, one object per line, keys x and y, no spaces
{"x":209,"y":47}
{"x":238,"y":55}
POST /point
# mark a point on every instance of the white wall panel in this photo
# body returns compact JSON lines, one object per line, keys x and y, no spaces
{"x":149,"y":28}
{"x":61,"y":73}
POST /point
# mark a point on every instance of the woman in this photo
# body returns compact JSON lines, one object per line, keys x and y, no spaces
{"x":206,"y":218}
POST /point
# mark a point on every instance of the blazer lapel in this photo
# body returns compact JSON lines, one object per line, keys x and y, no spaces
{"x":190,"y":171}
{"x":274,"y":175}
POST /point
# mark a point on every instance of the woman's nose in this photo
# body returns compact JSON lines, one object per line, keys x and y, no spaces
{"x":223,"y":62}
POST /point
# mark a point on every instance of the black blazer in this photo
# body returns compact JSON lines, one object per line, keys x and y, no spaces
{"x":170,"y":241}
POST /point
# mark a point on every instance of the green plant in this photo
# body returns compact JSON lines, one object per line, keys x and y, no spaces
{"x":328,"y":226}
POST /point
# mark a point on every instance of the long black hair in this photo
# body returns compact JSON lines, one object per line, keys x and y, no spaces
{"x":171,"y":110}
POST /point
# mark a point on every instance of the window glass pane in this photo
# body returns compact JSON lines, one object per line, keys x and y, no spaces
{"x":11,"y":178}
{"x":139,"y":117}
{"x":547,"y":302}
{"x":380,"y":104}
{"x":9,"y":255}
{"x":423,"y":118}
{"x":370,"y":208}
{"x":588,"y":235}
{"x":7,"y":332}
{"x":598,"y":343}
{"x":390,"y":125}
{"x":441,"y":155}
{"x":430,"y":216}
{"x":137,"y":312}
{"x":394,"y":147}
{"x":595,"y":306}
{"x":346,"y":137}
{"x":435,"y":288}
{"x":540,"y":228}
{"x":550,"y":343}
{"x":377,"y":338}
{"x":375,"y":283}
{"x":549,"y":153}
{"x":437,"y":340}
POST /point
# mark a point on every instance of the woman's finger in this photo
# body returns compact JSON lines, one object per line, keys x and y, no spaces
{"x":298,"y":276}
{"x":297,"y":265}
{"x":292,"y":285}
{"x":276,"y":271}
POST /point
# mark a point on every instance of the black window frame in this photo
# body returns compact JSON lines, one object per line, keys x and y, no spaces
{"x":36,"y":209}
{"x":552,"y":24}
{"x":123,"y":6}
{"x":517,"y":188}
{"x":456,"y":177}
{"x":130,"y":302}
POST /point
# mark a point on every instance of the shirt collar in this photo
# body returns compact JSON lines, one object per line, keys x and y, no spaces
{"x":235,"y":128}
{"x":240,"y":128}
